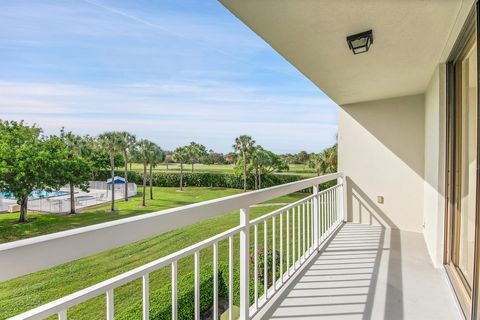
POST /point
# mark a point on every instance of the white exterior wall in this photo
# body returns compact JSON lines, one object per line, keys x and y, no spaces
{"x":381,"y":152}
{"x":434,"y":179}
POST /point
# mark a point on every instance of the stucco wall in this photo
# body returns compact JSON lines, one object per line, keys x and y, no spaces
{"x":381,"y":151}
{"x":434,"y":178}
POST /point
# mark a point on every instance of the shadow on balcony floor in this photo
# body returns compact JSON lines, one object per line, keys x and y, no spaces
{"x":369,"y":272}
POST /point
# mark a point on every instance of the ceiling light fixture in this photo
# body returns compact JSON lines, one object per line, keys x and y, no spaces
{"x":360,"y":42}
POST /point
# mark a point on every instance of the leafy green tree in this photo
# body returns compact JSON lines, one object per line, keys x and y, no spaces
{"x":181,"y":155}
{"x":302,"y":157}
{"x":109,"y":142}
{"x":156,"y":156}
{"x":244,"y":145}
{"x":28,"y":161}
{"x":143,"y":151}
{"x":197,"y":153}
{"x":215,"y":158}
{"x":127,"y":142}
{"x":75,"y":168}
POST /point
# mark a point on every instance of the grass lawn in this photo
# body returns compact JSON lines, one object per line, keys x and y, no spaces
{"x":47,"y":223}
{"x":298,"y":169}
{"x":21,"y":294}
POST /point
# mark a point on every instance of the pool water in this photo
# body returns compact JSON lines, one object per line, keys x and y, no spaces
{"x":37,"y":194}
{"x":40,"y":194}
{"x":80,"y":198}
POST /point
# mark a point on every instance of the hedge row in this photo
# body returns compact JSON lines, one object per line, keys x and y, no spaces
{"x":161,"y":303}
{"x":202,"y":179}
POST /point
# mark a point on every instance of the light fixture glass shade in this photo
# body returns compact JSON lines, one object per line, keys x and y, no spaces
{"x":360,"y":42}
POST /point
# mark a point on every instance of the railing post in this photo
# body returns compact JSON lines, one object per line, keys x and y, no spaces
{"x":316,"y":217}
{"x":244,"y":263}
{"x":341,"y":213}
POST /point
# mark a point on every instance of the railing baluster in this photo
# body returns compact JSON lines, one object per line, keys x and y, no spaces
{"x":324,"y":214}
{"x":255,"y":265}
{"x":303,"y":231}
{"x":316,"y":217}
{"x":174,"y":291}
{"x":230,"y":278}
{"x":330,"y":202}
{"x":62,"y":315}
{"x":215,"y":281}
{"x":281,"y":247}
{"x":308,"y":228}
{"x":293,"y":240}
{"x":327,"y":195}
{"x":244,"y":263}
{"x":335,"y":213}
{"x":197,"y":285}
{"x":146,"y":297}
{"x":342,"y":199}
{"x":110,"y":304}
{"x":265,"y":259}
{"x":288,"y":243}
{"x":299,"y":254}
{"x":274,"y":270}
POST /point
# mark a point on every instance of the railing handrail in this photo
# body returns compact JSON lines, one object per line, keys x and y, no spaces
{"x":29,"y":255}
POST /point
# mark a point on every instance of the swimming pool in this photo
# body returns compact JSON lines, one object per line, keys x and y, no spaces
{"x":82,"y":198}
{"x":37,"y":194}
{"x":41,"y":194}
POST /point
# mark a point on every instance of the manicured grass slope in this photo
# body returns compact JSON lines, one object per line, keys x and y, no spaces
{"x":21,"y":294}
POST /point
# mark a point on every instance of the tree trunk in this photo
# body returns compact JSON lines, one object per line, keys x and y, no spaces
{"x":151,"y":182}
{"x":256,"y":181}
{"x":181,"y":176}
{"x":72,"y":199}
{"x":144,"y":181}
{"x":167,"y":166}
{"x":259,"y":180}
{"x":244,"y":172}
{"x":23,"y":210}
{"x":125,"y":158}
{"x":130,"y":165}
{"x":112,"y":163}
{"x":192,"y":167}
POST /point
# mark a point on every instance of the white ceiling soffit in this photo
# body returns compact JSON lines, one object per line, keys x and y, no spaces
{"x":409,"y":39}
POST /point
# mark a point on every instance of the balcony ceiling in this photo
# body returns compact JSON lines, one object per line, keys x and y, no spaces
{"x":410,"y":39}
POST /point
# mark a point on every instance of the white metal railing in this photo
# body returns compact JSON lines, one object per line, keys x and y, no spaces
{"x":297,"y":230}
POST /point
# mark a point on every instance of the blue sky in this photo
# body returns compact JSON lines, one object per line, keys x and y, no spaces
{"x":170,"y":71}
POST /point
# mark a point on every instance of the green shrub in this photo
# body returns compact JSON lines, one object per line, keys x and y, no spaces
{"x":203,"y":179}
{"x":161,"y":299}
{"x":261,"y":264}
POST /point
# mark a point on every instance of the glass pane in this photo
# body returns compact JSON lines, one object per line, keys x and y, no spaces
{"x":468,"y":165}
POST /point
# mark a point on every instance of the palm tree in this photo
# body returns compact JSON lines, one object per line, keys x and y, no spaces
{"x":109,"y":142}
{"x":244,"y":145}
{"x":182,"y":156}
{"x":198,"y":152}
{"x":143,"y":149}
{"x":325,"y":161}
{"x":75,"y":148}
{"x":127,"y":141}
{"x":156,"y":156}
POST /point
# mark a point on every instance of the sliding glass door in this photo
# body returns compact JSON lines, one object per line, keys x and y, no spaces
{"x":462,"y":190}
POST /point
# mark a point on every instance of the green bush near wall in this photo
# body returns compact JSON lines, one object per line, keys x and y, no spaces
{"x":201,"y":179}
{"x":161,"y":299}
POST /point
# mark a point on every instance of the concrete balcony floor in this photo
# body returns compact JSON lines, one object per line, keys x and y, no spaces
{"x":368,"y":272}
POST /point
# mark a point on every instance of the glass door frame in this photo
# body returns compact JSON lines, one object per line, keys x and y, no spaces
{"x":468,"y":297}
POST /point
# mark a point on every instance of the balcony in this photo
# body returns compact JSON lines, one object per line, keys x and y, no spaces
{"x":321,"y":267}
